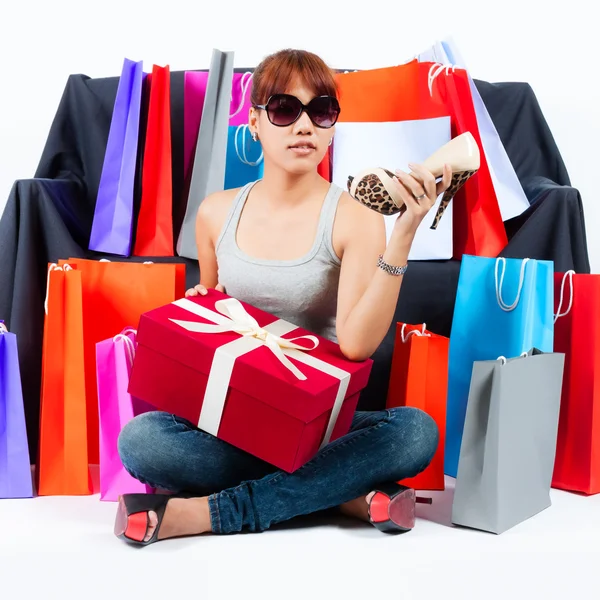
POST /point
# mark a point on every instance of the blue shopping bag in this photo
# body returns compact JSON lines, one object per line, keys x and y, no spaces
{"x":244,"y":162}
{"x":504,"y":307}
{"x":15,"y":471}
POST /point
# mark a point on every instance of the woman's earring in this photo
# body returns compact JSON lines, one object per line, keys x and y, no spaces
{"x":331,"y":141}
{"x":254,"y":136}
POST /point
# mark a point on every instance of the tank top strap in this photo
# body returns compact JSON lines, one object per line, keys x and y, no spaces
{"x":328,"y":218}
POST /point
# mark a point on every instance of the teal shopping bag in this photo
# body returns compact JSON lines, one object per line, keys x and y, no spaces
{"x":244,"y":162}
{"x":504,"y":307}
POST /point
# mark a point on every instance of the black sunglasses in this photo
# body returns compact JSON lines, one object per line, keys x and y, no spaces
{"x":285,"y":109}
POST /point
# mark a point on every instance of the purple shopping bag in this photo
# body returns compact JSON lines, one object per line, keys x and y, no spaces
{"x":15,"y":470}
{"x":114,"y":359}
{"x":113,"y":215}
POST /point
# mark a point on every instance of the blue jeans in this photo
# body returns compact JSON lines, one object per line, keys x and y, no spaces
{"x":247,"y":494}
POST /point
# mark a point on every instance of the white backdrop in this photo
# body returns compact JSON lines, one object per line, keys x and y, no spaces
{"x":546,"y":43}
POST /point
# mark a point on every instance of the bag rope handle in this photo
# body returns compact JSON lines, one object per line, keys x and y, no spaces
{"x":53,"y":267}
{"x":245,"y":80}
{"x":503,"y":305}
{"x":558,"y":314}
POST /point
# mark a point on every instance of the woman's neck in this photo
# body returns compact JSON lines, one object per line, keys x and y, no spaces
{"x":282,"y":187}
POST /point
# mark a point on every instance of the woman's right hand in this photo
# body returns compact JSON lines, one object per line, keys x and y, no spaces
{"x":200,"y":290}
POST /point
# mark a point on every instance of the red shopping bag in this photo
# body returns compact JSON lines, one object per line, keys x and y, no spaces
{"x":63,"y":450}
{"x":115,"y":294}
{"x":419,"y":378}
{"x":424,"y":91}
{"x":154,"y":229}
{"x":577,"y":335}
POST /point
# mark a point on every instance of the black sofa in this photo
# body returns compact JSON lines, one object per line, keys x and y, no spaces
{"x":49,"y":217}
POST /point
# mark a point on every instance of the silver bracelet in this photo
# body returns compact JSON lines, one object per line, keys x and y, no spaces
{"x":390,"y":268}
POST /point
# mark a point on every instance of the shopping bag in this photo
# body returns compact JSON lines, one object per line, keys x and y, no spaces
{"x":244,"y":158}
{"x":63,"y":449}
{"x":509,"y":442}
{"x":113,"y":214}
{"x":418,"y":90}
{"x":154,"y":229}
{"x":509,"y":191}
{"x":194,"y":91}
{"x":208,"y":170}
{"x":241,"y":90}
{"x":115,"y":294}
{"x":195,"y":83}
{"x":503,"y":307}
{"x":419,"y":378}
{"x":577,"y":335}
{"x":15,"y":471}
{"x":393,"y":145}
{"x":114,"y":359}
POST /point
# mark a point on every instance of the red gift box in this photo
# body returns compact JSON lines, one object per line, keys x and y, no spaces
{"x":219,"y":363}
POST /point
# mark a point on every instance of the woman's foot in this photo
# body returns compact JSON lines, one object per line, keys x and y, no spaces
{"x":358,"y":508}
{"x":183,"y":516}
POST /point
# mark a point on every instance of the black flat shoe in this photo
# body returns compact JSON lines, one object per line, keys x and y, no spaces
{"x":392,"y":508}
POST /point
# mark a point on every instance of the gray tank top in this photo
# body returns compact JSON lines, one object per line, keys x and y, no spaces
{"x":302,"y":291}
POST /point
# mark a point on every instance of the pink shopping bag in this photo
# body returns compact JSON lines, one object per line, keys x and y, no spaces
{"x":114,"y":359}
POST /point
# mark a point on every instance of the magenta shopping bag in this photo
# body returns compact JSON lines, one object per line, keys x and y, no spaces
{"x":15,"y":471}
{"x":113,"y":214}
{"x":114,"y":359}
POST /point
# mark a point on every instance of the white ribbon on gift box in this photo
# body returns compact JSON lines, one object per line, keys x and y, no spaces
{"x":232,"y":316}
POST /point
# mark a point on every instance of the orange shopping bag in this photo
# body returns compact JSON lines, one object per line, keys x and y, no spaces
{"x":154,"y":228}
{"x":419,"y":378}
{"x":63,"y":453}
{"x":115,"y":294}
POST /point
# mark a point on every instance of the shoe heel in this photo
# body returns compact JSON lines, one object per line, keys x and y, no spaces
{"x":392,"y":508}
{"x":458,"y":180}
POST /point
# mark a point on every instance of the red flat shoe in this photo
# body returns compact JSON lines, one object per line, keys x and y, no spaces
{"x":392,"y":508}
{"x":132,"y":521}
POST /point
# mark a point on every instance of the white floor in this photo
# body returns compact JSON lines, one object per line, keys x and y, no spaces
{"x":63,"y":547}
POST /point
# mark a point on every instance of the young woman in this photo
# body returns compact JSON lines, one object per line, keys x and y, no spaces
{"x":299,"y":247}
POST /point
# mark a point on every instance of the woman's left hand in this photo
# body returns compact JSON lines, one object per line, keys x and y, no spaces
{"x":419,"y":191}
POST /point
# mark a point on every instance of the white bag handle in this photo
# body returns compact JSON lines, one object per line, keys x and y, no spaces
{"x":413,"y":332}
{"x":558,"y":314}
{"x":435,"y":70}
{"x":129,"y":344}
{"x":501,"y":302}
{"x":502,"y":359}
{"x":53,"y":267}
{"x":243,"y":158}
{"x":245,"y":80}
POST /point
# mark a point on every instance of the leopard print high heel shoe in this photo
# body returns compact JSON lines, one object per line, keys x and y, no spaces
{"x":374,"y":187}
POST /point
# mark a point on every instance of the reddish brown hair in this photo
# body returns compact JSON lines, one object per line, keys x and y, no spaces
{"x":277,"y":72}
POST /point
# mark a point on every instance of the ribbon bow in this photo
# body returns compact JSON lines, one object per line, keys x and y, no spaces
{"x":234,"y":317}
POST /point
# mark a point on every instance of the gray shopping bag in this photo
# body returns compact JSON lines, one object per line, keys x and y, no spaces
{"x":509,"y":441}
{"x":208,"y":170}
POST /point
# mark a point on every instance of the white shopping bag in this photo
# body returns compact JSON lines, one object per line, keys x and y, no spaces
{"x":511,"y":197}
{"x":393,"y":145}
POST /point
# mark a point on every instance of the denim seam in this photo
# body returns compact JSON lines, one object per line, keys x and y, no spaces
{"x":343,"y":444}
{"x":215,"y":513}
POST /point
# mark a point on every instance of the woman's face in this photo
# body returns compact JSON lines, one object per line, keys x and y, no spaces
{"x":297,"y":148}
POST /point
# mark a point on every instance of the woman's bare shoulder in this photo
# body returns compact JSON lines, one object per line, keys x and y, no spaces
{"x":215,"y":207}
